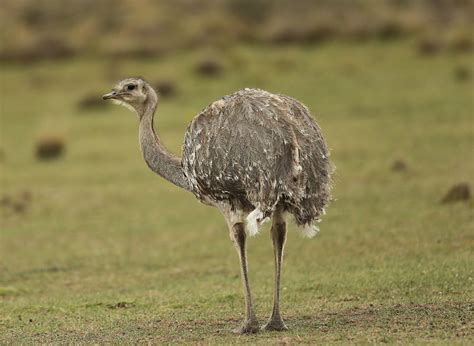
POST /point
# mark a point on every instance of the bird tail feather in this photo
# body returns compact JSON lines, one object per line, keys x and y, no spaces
{"x":254,"y":220}
{"x":309,"y":230}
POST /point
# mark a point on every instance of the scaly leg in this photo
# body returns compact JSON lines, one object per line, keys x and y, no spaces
{"x":237,"y":233}
{"x":278,"y":234}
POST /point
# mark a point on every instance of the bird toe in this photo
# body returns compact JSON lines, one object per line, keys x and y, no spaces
{"x":249,"y":327}
{"x":275,"y":325}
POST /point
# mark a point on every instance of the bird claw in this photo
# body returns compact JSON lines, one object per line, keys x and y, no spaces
{"x":249,"y":327}
{"x":275,"y":325}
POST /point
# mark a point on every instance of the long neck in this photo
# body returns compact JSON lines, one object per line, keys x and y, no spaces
{"x":156,"y":156}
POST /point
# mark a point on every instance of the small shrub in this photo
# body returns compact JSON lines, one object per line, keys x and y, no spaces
{"x":6,"y":201}
{"x":46,"y":48}
{"x":390,"y":30}
{"x":19,"y":207}
{"x":141,"y":52}
{"x":458,"y":192}
{"x":209,"y":66}
{"x":49,"y":147}
{"x":399,"y":166}
{"x":462,"y":73}
{"x":19,"y":203}
{"x":319,"y":33}
{"x":166,"y":87}
{"x":429,"y":46}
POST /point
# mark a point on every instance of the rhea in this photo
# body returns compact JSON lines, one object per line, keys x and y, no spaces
{"x":253,"y":155}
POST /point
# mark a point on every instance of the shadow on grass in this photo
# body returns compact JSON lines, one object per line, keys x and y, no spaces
{"x":442,"y":320}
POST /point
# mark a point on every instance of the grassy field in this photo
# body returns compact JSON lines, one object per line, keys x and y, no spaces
{"x":107,"y":252}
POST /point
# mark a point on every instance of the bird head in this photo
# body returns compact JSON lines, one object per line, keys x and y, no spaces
{"x":133,"y":93}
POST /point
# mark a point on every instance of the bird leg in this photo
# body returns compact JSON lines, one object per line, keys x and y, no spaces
{"x":250,"y":325}
{"x":278,"y":234}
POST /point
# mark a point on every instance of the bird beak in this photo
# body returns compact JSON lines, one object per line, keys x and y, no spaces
{"x":110,"y":95}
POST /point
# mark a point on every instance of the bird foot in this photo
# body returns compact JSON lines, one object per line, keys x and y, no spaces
{"x":249,"y":327}
{"x":275,"y":325}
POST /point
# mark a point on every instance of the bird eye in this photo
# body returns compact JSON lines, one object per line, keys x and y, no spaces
{"x":130,"y":87}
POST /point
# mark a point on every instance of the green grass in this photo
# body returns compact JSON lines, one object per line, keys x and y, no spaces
{"x":107,"y":252}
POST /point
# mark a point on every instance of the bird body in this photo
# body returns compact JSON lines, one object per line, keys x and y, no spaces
{"x":257,"y":151}
{"x":252,"y":154}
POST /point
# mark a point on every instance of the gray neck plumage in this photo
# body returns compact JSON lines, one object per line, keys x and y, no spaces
{"x":156,"y":156}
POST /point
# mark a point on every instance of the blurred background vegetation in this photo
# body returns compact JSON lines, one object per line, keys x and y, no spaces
{"x":95,"y":248}
{"x":53,"y":29}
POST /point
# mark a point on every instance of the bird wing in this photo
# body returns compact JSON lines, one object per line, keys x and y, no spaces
{"x":254,"y":149}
